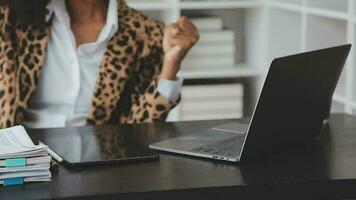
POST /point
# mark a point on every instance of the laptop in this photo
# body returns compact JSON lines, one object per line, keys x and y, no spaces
{"x":294,"y":102}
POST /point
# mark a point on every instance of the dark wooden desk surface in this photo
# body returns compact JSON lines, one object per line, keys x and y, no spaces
{"x":323,"y":169}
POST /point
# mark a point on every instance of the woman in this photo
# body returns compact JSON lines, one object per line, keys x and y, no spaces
{"x":77,"y":62}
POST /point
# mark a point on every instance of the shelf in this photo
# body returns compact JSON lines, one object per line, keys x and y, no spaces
{"x":295,"y":2}
{"x":238,"y":71}
{"x":286,"y":6}
{"x":144,"y":5}
{"x":341,"y":86}
{"x":321,"y":12}
{"x":203,"y":5}
{"x":328,"y":13}
{"x":339,"y":99}
{"x":334,"y":5}
{"x":193,"y":5}
{"x":323,"y":32}
{"x":266,"y":29}
{"x":337,"y":107}
{"x":284,"y":33}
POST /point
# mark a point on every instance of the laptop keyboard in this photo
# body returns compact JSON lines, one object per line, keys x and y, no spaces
{"x":230,"y":148}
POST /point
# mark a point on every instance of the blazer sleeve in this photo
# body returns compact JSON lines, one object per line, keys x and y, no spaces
{"x":3,"y":18}
{"x":147,"y":104}
{"x":4,"y":26}
{"x":7,"y":71}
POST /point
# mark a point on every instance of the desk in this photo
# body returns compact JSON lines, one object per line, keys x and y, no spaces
{"x":325,"y":168}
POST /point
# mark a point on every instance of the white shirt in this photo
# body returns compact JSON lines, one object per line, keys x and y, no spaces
{"x":65,"y":88}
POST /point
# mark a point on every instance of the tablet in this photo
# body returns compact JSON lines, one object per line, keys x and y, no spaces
{"x":98,"y":145}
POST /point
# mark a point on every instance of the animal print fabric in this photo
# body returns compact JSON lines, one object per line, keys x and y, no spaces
{"x":126,"y":88}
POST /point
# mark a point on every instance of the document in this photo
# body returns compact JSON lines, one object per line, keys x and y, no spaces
{"x":43,"y":167}
{"x":15,"y":136}
{"x":20,"y":159}
{"x":14,"y":142}
{"x":30,"y":161}
{"x":35,"y":173}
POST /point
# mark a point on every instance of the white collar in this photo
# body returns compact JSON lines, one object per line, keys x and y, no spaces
{"x":58,"y":9}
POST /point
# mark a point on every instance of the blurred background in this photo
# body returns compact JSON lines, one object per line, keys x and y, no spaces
{"x":224,"y":72}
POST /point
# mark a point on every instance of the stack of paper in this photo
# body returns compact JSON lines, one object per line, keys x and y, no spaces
{"x":197,"y":101}
{"x":216,"y":47}
{"x":20,"y":160}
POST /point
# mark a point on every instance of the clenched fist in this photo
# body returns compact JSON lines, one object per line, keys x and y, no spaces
{"x":178,"y":39}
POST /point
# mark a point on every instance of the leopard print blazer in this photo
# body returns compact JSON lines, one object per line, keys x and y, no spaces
{"x":126,"y":87}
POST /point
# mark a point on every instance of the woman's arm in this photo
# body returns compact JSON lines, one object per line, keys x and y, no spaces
{"x":161,"y":57}
{"x":178,"y":39}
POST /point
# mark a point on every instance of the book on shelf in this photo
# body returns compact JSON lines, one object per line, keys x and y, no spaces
{"x":209,"y":49}
{"x":217,"y":36}
{"x":208,"y":23}
{"x":20,"y":159}
{"x":208,"y":92}
{"x":215,"y":49}
{"x":216,"y":62}
{"x":197,"y":102}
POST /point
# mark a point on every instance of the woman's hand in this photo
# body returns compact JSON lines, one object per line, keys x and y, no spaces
{"x":178,"y":38}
